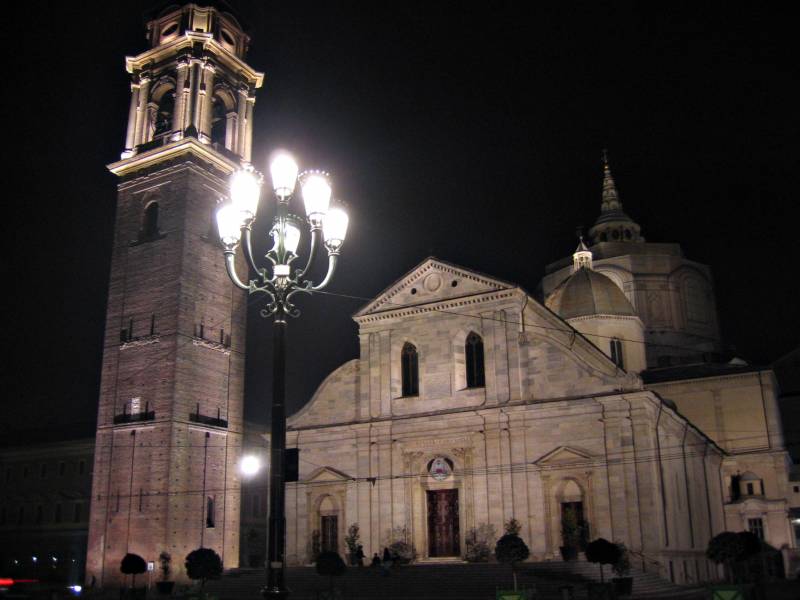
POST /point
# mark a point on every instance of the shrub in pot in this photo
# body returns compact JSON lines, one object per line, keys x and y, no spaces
{"x":511,"y":549}
{"x":165,"y":586}
{"x":133,"y":565}
{"x":623,"y":583}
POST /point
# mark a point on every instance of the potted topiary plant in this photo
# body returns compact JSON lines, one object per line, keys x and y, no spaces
{"x":203,"y":564}
{"x":331,"y":565}
{"x":602,"y":552}
{"x":165,"y":586}
{"x":133,"y":565}
{"x":731,"y":549}
{"x":351,"y":540}
{"x":623,"y":583}
{"x":511,"y":549}
{"x":477,"y":543}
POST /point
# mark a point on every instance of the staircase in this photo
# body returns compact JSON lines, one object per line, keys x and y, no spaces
{"x":460,"y":581}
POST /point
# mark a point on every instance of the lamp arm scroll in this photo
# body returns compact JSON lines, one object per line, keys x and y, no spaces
{"x":332,"y":260}
{"x":248,"y":247}
{"x":311,"y":252}
{"x":230,"y":265}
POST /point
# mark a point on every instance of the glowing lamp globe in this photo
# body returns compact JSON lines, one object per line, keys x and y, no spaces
{"x":229,"y":225}
{"x":316,"y":196}
{"x":283,"y":170}
{"x":245,"y":189}
{"x":334,"y":228}
{"x":249,"y":465}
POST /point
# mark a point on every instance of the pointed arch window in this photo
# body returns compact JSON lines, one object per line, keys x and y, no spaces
{"x":473,"y":355}
{"x":409,"y":365}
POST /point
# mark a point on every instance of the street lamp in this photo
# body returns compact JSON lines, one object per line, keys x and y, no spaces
{"x":235,"y":222}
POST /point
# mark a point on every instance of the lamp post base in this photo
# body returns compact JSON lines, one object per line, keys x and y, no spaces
{"x":273,"y":593}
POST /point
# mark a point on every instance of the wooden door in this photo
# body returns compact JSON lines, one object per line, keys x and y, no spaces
{"x":443,"y":530}
{"x":330,"y":534}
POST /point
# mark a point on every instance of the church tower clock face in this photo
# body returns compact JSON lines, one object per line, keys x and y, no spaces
{"x":169,"y":422}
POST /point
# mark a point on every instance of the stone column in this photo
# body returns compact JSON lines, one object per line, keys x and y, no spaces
{"x":206,"y":97}
{"x":181,"y":95}
{"x":131,"y":133}
{"x":231,"y":123}
{"x":241,"y":134}
{"x":141,"y":110}
{"x":150,"y":121}
{"x":248,"y":139}
{"x":192,"y":107}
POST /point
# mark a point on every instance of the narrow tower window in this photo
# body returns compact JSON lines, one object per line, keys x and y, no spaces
{"x":409,"y":364}
{"x":210,"y":511}
{"x":473,"y":354}
{"x":150,"y":222}
{"x":616,"y":353}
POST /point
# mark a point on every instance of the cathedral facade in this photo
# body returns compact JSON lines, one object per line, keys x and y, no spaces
{"x":473,"y":402}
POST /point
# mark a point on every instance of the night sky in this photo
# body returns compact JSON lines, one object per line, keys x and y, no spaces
{"x":471,"y":134}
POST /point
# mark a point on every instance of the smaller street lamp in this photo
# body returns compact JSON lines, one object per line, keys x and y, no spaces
{"x":280,"y":283}
{"x":250,"y":465}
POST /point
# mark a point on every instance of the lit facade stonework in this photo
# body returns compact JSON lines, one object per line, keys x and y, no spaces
{"x":659,"y":448}
{"x":170,"y":412}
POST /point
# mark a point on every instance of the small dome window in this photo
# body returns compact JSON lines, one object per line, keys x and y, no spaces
{"x":227,"y":38}
{"x":169,"y":30}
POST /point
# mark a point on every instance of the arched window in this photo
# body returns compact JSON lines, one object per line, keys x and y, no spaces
{"x":163,"y":116}
{"x":150,"y":222}
{"x":218,"y":121}
{"x":473,"y":355}
{"x":616,"y":353}
{"x":409,"y":366}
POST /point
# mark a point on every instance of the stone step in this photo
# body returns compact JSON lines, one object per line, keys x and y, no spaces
{"x":457,"y":581}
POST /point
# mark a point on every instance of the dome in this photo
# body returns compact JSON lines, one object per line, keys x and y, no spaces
{"x":586,"y":293}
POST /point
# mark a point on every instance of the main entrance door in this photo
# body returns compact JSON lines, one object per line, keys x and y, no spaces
{"x":443,"y":535}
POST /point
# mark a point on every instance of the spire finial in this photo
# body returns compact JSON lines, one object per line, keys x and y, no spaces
{"x":611,"y":199}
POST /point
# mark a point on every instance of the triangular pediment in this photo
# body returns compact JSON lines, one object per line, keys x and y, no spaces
{"x":328,"y":474}
{"x":564,"y":455}
{"x":433,"y":280}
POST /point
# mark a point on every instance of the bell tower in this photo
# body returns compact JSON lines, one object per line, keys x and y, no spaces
{"x":169,"y":421}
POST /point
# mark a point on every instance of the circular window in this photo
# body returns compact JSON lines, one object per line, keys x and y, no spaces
{"x":413,"y":291}
{"x":454,"y":283}
{"x":226,"y":37}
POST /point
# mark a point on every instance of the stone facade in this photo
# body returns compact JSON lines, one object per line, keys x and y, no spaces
{"x":555,"y":423}
{"x":169,"y":422}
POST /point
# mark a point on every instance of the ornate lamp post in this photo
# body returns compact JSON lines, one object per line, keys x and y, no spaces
{"x":280,"y":281}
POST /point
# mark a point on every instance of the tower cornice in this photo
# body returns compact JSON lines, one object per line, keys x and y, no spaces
{"x":188,"y":145}
{"x":166,"y":53}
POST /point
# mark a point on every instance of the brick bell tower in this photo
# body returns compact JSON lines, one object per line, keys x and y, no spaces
{"x":169,"y":422}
